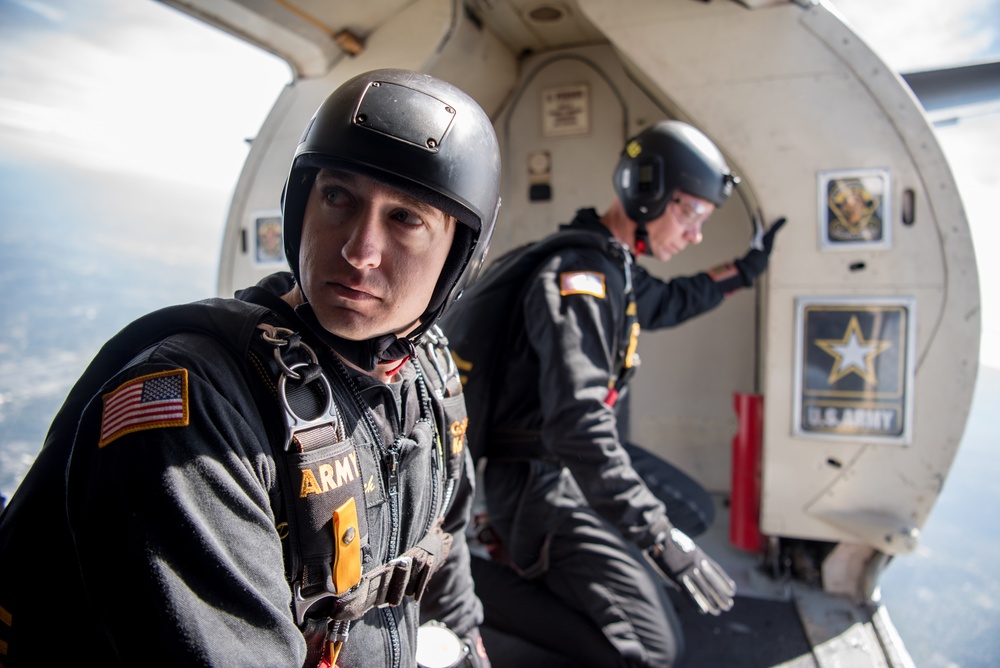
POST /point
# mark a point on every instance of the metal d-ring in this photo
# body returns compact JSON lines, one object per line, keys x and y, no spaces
{"x":294,"y":421}
{"x":281,"y":337}
{"x":288,"y":371}
{"x":275,"y":335}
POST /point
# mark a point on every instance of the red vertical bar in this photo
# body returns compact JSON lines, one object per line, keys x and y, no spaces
{"x":744,"y":503}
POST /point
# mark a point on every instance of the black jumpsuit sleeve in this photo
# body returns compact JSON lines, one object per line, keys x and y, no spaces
{"x":174,"y":525}
{"x":575,"y":338}
{"x":668,"y":303}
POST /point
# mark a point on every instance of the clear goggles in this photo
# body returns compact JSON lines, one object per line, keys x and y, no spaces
{"x":690,"y":210}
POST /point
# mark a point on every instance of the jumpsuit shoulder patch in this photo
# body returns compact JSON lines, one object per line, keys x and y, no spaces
{"x":582,"y":283}
{"x":147,"y":402}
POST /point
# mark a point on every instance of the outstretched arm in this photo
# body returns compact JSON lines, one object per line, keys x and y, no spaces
{"x":664,"y":304}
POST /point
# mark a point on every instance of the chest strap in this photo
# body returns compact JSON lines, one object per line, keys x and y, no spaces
{"x":388,"y":584}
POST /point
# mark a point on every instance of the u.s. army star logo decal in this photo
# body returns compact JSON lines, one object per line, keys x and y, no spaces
{"x":853,"y":354}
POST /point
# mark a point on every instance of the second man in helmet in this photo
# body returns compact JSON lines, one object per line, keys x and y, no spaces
{"x":547,"y":342}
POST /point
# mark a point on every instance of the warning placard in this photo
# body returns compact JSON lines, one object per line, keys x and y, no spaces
{"x":566,"y":111}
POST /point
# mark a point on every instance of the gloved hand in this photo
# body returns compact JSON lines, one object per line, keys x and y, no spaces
{"x":754,"y":263}
{"x":476,"y":656}
{"x":695,"y":573}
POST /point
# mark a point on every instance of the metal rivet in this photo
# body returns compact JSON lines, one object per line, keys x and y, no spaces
{"x":432,"y":143}
{"x":348,"y":537}
{"x":361,"y":118}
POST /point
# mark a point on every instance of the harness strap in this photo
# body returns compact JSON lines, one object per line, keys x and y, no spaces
{"x":388,"y":584}
{"x":626,"y":358}
{"x":406,"y":575}
{"x":314,"y":424}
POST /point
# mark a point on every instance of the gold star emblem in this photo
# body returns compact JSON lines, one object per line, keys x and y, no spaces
{"x":853,"y":354}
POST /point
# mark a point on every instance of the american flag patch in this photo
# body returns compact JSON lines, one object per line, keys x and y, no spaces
{"x":581,"y":283}
{"x":156,"y":400}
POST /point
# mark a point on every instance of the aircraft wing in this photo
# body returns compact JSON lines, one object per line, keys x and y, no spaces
{"x":950,"y":93}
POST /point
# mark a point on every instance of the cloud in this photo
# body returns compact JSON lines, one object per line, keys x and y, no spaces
{"x":923,"y":34}
{"x":103,"y":93}
{"x":978,"y":178}
{"x":42,"y":9}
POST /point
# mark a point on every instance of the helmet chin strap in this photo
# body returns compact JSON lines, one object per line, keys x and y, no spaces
{"x":365,"y":355}
{"x":642,"y":240}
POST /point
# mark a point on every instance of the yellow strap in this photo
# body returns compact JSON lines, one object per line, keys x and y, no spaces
{"x":347,"y":547}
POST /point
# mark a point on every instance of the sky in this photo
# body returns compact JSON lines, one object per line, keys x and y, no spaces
{"x":912,"y":35}
{"x":109,"y":83}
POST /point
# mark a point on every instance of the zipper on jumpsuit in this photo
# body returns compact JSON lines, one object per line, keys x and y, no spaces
{"x":437,"y":457}
{"x":392,"y":457}
{"x":437,"y":465}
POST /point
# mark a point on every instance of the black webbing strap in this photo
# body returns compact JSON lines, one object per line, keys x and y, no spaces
{"x":406,"y":575}
{"x":388,"y":584}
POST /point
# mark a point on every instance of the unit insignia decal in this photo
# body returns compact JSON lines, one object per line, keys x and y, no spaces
{"x":268,"y":246}
{"x":854,"y":209}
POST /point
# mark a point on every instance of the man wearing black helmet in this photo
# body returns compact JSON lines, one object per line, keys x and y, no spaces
{"x":280,"y":479}
{"x":568,"y":513}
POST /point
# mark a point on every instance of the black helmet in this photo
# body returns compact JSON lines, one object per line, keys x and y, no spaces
{"x":664,"y":158}
{"x":415,"y":133}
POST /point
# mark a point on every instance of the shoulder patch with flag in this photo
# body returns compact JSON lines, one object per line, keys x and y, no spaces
{"x":582,"y":283}
{"x":148,"y":402}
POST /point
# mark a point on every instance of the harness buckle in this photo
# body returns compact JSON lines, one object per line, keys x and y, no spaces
{"x":302,"y":604}
{"x":392,"y":590}
{"x":304,"y":409}
{"x":295,"y":423}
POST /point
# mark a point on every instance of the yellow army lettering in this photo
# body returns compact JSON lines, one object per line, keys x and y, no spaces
{"x":331,"y":476}
{"x":458,"y":435}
